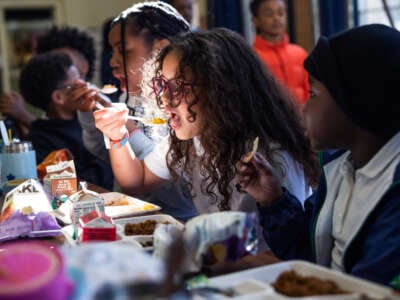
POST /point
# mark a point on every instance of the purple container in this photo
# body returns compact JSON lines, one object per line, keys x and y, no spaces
{"x":32,"y":270}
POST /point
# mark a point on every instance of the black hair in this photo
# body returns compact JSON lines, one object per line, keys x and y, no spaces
{"x":240,"y":100}
{"x":151,"y":20}
{"x":41,"y":75}
{"x":255,"y":5}
{"x":72,"y":38}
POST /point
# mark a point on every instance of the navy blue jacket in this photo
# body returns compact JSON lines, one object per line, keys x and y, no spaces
{"x":374,"y":253}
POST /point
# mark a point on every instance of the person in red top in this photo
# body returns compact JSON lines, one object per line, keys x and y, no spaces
{"x":271,"y":42}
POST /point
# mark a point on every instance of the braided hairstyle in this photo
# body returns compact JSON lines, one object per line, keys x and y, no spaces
{"x":152,"y":21}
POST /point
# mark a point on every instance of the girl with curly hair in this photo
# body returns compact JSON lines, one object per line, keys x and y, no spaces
{"x":219,"y":98}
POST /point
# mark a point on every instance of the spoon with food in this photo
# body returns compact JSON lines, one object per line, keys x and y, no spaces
{"x":108,"y":89}
{"x":153,"y":121}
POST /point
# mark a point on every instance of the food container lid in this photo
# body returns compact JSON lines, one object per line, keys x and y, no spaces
{"x":17,"y":147}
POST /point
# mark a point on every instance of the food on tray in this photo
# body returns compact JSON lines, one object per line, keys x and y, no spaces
{"x":117,"y":202}
{"x":291,"y":284}
{"x":148,"y":206}
{"x":120,"y":205}
{"x":108,"y":89}
{"x":248,"y":157}
{"x":143,"y":228}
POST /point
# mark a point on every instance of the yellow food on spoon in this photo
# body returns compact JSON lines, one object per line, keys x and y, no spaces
{"x":108,"y":89}
{"x":158,"y":121}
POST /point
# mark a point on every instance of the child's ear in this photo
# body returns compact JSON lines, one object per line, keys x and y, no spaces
{"x":58,"y":97}
{"x":159,"y":44}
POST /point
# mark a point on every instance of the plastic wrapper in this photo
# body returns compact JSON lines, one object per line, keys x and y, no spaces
{"x":28,"y":193}
{"x":164,"y":235}
{"x":219,"y":237}
{"x":98,"y":269}
{"x":53,"y":158}
{"x":25,"y":223}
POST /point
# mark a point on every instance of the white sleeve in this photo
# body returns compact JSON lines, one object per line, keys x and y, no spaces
{"x":156,"y":161}
{"x":141,"y":144}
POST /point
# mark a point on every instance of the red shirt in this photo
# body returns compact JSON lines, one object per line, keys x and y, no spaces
{"x":285,"y":61}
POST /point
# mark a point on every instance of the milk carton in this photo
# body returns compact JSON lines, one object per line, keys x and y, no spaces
{"x":61,"y":179}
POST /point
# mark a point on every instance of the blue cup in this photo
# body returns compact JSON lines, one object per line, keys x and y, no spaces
{"x":18,"y":160}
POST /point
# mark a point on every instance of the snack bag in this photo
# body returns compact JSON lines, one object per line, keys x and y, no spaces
{"x":53,"y":158}
{"x":28,"y":193}
{"x":26,"y":212}
{"x":220,"y":237}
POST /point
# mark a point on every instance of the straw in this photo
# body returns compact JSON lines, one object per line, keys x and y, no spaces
{"x":4,"y":135}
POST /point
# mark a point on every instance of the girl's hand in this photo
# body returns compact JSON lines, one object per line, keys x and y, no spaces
{"x":259,"y":180}
{"x":112,"y":121}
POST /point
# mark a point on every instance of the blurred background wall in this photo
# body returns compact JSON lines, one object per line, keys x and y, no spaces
{"x":22,"y":20}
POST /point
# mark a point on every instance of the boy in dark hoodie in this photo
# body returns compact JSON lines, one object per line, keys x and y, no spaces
{"x":44,"y":83}
{"x":352,"y":222}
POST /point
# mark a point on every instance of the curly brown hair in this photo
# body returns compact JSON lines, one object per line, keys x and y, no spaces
{"x":240,"y":101}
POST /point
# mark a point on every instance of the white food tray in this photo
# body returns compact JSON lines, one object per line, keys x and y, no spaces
{"x":143,"y":239}
{"x":69,"y":230}
{"x":264,"y":276}
{"x":132,"y":207}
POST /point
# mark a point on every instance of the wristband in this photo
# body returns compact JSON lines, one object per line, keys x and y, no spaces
{"x":119,"y":143}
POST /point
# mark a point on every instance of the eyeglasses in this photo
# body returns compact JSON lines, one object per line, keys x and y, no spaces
{"x":175,"y":87}
{"x":69,"y":86}
{"x":65,"y":87}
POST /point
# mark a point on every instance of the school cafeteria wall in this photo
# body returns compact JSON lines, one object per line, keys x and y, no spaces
{"x":92,"y":13}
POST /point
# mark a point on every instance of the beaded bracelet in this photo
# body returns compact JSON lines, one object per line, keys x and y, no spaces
{"x":119,"y":143}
